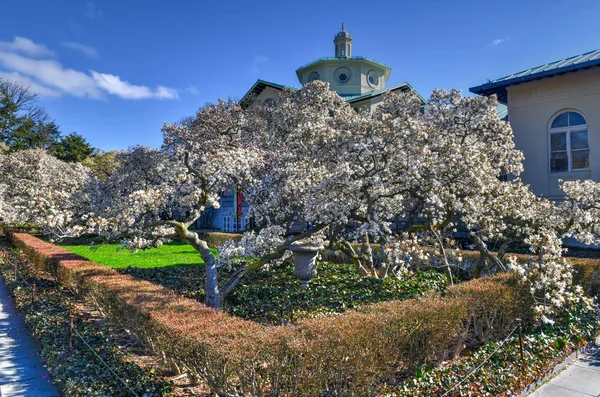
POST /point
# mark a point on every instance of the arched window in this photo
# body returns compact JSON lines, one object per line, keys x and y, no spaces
{"x":569,"y":149}
{"x":270,"y":103}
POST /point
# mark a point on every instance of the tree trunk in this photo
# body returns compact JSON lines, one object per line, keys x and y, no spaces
{"x":213,"y":295}
{"x":447,"y":268}
{"x":347,"y":249}
{"x":484,"y":251}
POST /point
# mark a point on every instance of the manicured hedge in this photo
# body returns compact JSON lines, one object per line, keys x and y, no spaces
{"x":586,"y":271}
{"x":505,"y":373}
{"x":352,"y":354}
{"x":587,"y":274}
{"x":6,"y":228}
{"x":216,"y":239}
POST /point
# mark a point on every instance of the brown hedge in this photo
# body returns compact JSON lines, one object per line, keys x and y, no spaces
{"x":586,"y":271}
{"x":346,"y":355}
{"x":215,"y":239}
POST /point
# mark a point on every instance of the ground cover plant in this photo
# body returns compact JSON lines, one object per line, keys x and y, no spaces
{"x":275,"y":296}
{"x":168,"y":255}
{"x":269,"y":297}
{"x":505,"y":374}
{"x":78,"y":373}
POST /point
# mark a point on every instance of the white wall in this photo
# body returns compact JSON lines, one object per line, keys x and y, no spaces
{"x":532,"y":105}
{"x":358,"y":83}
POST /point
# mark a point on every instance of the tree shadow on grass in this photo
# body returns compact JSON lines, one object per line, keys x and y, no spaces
{"x":184,"y":279}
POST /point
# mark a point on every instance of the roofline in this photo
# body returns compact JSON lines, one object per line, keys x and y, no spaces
{"x":376,"y":93}
{"x":343,"y":59}
{"x":256,"y":87}
{"x":498,"y":86}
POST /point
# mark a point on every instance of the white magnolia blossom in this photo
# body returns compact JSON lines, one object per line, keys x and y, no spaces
{"x":314,"y":160}
{"x":35,"y":187}
{"x":252,"y":244}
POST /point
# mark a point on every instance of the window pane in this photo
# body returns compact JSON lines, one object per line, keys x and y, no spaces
{"x":558,"y":142}
{"x":576,"y":119}
{"x":561,"y":121}
{"x":579,"y":140}
{"x":581,"y":159}
{"x":559,"y":162}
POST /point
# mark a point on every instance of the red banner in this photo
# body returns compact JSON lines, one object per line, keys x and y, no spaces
{"x":239,"y":202}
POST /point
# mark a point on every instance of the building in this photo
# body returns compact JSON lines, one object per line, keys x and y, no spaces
{"x":359,"y":80}
{"x":554,"y":111}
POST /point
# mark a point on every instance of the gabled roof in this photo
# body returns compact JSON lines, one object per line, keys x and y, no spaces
{"x":259,"y":87}
{"x":572,"y":64}
{"x":404,"y":87}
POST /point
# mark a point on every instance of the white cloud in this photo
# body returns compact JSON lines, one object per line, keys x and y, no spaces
{"x":48,"y":77}
{"x":34,"y":87}
{"x":86,"y":50}
{"x":114,"y":85}
{"x":53,"y":74}
{"x":92,"y":11}
{"x":163,"y":92}
{"x":25,"y":46}
{"x":499,"y":41}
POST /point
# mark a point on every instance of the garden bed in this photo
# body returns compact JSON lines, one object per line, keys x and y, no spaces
{"x":268,"y":297}
{"x":80,"y":372}
{"x":275,"y":296}
{"x":352,"y":354}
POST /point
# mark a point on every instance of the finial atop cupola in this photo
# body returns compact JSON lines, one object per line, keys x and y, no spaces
{"x":343,"y":44}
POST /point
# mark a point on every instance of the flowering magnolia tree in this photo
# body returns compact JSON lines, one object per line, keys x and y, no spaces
{"x":36,"y":187}
{"x":313,"y":160}
{"x":347,"y":174}
{"x":339,"y":170}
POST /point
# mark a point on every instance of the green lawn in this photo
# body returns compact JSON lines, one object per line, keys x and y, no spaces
{"x":169,"y":255}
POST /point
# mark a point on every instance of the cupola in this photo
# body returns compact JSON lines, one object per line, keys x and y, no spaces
{"x":343,"y":44}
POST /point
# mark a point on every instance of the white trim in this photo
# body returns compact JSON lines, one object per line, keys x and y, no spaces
{"x":566,"y":130}
{"x":228,"y":223}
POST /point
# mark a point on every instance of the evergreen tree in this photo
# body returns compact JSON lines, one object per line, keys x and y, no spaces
{"x":72,"y":148}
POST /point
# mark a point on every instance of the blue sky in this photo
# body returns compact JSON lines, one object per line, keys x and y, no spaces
{"x":114,"y":71}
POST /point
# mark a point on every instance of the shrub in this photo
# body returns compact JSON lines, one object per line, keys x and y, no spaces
{"x":586,"y":271}
{"x":503,"y":374}
{"x":587,"y":275}
{"x":350,"y":354}
{"x":6,"y":228}
{"x":216,"y":239}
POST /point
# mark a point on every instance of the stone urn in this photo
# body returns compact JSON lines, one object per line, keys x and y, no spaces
{"x":305,"y":261}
